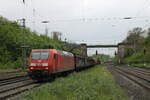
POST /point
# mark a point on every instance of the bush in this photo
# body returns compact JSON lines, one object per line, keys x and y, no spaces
{"x":12,"y":65}
{"x":137,"y":57}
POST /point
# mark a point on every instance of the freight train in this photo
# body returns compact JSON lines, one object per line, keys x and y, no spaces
{"x":46,"y":62}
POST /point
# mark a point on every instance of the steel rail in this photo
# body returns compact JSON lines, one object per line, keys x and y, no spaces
{"x":137,"y":79}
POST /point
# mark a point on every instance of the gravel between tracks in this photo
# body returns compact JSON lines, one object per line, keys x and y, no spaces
{"x":12,"y":87}
{"x":133,"y":90}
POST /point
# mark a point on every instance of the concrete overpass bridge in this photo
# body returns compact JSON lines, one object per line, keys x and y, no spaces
{"x":102,"y":46}
{"x":120,"y":46}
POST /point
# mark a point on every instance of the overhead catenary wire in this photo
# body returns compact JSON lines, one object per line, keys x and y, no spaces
{"x":96,"y":19}
{"x":37,"y":17}
{"x":83,"y":17}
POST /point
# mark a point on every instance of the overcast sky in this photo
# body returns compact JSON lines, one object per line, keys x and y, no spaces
{"x":88,"y":21}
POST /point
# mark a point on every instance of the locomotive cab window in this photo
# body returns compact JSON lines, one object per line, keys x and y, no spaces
{"x":40,"y":55}
{"x":44,"y":55}
{"x":35,"y":55}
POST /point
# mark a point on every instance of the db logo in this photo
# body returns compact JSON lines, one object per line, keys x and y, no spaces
{"x":39,"y":61}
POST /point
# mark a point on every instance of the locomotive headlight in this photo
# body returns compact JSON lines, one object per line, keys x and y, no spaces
{"x":46,"y":67}
{"x":33,"y":64}
{"x":44,"y":64}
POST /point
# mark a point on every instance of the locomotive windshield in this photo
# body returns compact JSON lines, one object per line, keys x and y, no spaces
{"x":40,"y":55}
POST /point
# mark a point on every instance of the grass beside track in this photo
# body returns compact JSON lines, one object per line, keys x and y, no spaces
{"x":92,"y":84}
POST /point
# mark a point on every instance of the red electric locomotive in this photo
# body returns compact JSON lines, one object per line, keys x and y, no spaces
{"x":46,"y":62}
{"x":50,"y":61}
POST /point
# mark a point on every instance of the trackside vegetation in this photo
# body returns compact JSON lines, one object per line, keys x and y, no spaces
{"x":12,"y":36}
{"x":103,"y":57}
{"x":11,"y":40}
{"x":92,"y":84}
{"x":139,"y":55}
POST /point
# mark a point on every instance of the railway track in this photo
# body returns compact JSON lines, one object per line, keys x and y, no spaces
{"x":146,"y":70}
{"x":10,"y":75}
{"x":13,"y":86}
{"x":139,"y":76}
{"x":135,"y":81}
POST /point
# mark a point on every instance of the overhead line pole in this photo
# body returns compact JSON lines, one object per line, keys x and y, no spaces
{"x":23,"y":46}
{"x":24,"y":59}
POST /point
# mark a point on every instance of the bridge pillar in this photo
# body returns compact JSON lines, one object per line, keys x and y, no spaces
{"x":83,"y":48}
{"x":121,"y":52}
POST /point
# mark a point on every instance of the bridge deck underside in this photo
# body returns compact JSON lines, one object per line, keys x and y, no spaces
{"x":102,"y":46}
